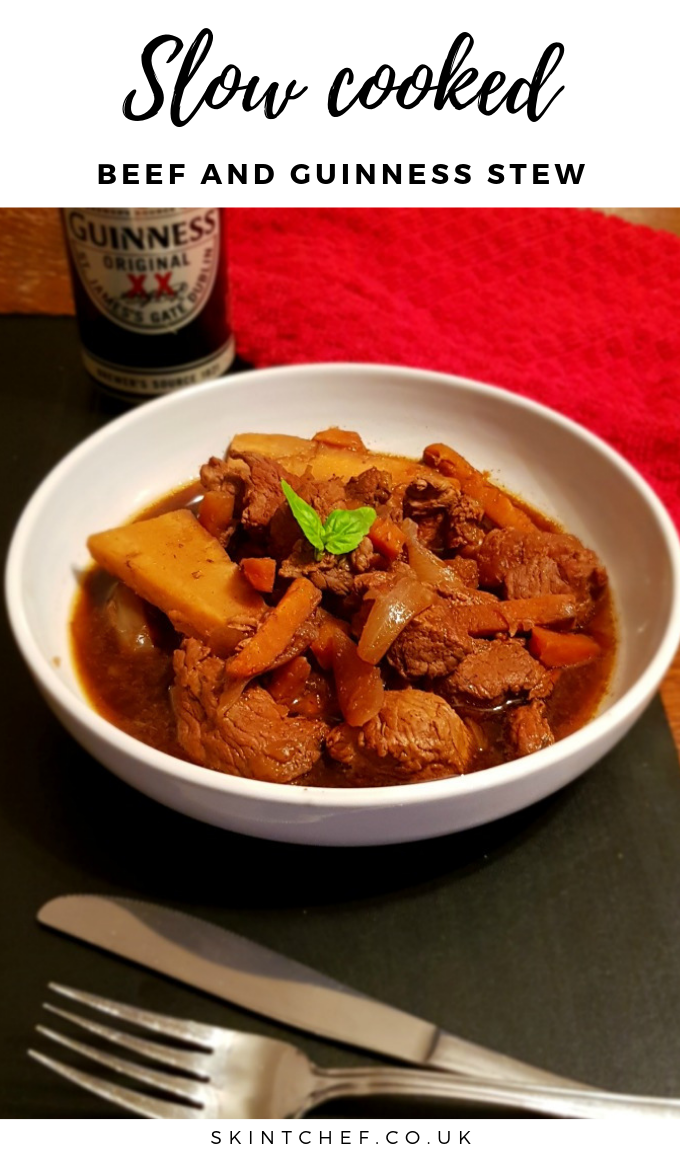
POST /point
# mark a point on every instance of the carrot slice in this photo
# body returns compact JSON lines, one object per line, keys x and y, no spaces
{"x":387,"y":538}
{"x":559,"y":649}
{"x":259,"y":572}
{"x":276,"y":631}
{"x":322,"y":645}
{"x":340,"y":438}
{"x":517,"y":615}
{"x":216,"y":512}
{"x":497,"y":506}
{"x":288,"y":681}
{"x":358,"y":685}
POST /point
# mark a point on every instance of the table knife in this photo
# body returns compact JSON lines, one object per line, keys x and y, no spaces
{"x":238,"y":970}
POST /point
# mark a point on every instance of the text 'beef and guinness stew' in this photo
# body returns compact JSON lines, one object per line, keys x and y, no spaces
{"x":313,"y":613}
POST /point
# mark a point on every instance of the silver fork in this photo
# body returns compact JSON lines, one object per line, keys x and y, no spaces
{"x":224,"y":1074}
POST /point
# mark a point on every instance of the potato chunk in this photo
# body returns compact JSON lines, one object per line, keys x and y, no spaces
{"x":297,"y":455}
{"x":174,"y":563}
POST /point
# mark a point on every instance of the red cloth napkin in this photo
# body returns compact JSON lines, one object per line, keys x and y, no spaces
{"x":572,"y":308}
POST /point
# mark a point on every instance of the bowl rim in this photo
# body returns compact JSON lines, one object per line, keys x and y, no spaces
{"x":83,"y":713}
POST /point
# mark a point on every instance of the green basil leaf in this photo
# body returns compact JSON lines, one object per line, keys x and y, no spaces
{"x":307,"y":518}
{"x":345,"y":528}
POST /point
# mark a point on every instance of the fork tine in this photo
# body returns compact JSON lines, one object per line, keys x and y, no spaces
{"x":193,"y":1062}
{"x":137,"y":1102}
{"x":188,"y":1030}
{"x":175,"y":1085}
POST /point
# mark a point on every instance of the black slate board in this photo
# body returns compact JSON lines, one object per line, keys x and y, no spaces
{"x":552,"y":935}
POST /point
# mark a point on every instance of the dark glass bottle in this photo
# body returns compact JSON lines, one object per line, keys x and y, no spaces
{"x":151,"y":295}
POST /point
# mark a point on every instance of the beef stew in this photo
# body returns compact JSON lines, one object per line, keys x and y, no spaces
{"x":316,"y":614}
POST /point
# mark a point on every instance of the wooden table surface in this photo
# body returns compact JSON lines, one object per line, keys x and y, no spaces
{"x":34,"y":279}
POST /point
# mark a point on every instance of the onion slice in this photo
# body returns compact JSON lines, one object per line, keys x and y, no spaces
{"x":428,"y":567}
{"x":231,"y":692}
{"x":127,"y":613}
{"x":391,"y":612}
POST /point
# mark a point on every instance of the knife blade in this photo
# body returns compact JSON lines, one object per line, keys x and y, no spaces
{"x":236,"y":969}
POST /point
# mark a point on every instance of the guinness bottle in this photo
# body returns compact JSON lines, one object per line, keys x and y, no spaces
{"x":150,"y":288}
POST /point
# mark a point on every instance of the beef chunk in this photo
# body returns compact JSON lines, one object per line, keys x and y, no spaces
{"x":466,"y":570}
{"x":429,"y":503}
{"x":526,"y":564}
{"x":426,"y":495}
{"x":432,"y":644}
{"x":372,"y":487}
{"x":266,"y":514}
{"x":219,"y":475}
{"x":226,"y":476}
{"x":380,"y":580}
{"x":214,"y":473}
{"x":499,"y":669}
{"x":527,"y":728}
{"x":470,"y":536}
{"x":415,"y":736}
{"x":431,"y":531}
{"x":464,"y":528}
{"x":446,"y":517}
{"x":256,"y":738}
{"x":330,"y":573}
{"x":323,"y":495}
{"x":364,"y":557}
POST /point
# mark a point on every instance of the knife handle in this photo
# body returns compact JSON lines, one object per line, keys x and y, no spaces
{"x":449,"y":1054}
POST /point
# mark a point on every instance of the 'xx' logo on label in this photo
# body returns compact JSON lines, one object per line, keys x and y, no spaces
{"x":163,"y":285}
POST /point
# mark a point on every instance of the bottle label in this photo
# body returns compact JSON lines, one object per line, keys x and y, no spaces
{"x":149,"y":270}
{"x":140,"y":383}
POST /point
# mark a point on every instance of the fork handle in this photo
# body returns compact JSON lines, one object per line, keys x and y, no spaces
{"x":564,"y":1103}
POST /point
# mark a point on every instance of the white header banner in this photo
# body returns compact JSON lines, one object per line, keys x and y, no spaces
{"x":371,"y":102}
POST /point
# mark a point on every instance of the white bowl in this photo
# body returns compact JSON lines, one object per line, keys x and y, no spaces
{"x":556,"y":465}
